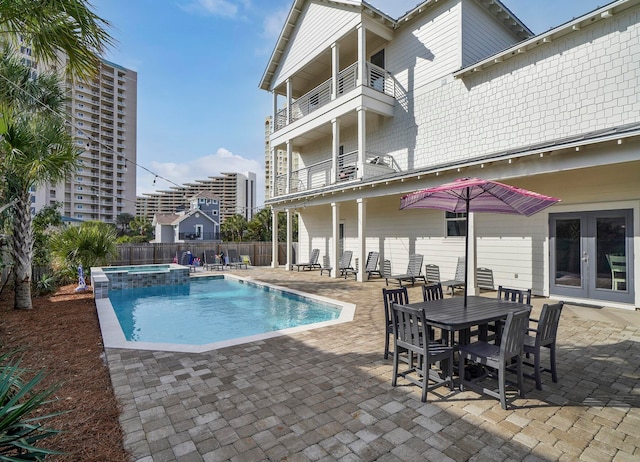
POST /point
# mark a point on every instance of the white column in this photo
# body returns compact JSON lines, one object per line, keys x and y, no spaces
{"x":289,"y":99}
{"x":275,"y":110}
{"x":274,"y":172}
{"x":335,"y":69}
{"x":335,"y":149}
{"x":335,"y":223}
{"x":362,"y":139}
{"x":472,"y":262}
{"x":288,"y":179}
{"x":362,"y":54}
{"x":362,"y":237}
{"x":274,"y":238}
{"x":289,"y":240}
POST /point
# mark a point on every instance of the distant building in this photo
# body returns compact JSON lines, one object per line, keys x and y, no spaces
{"x":236,"y":193}
{"x":103,"y":115}
{"x":279,"y":169}
{"x":201,"y":222}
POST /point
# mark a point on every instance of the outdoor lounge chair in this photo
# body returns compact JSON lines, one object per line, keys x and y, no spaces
{"x":326,"y":265}
{"x":458,"y":280}
{"x":371,"y":266}
{"x":234,"y":260}
{"x":432,"y":273}
{"x":352,"y":271}
{"x":212,"y":261}
{"x":345,"y":262}
{"x":414,"y":270}
{"x":312,"y":263}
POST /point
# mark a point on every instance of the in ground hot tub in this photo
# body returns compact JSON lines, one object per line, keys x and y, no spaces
{"x":104,"y":279}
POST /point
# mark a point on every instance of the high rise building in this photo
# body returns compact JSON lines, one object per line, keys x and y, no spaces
{"x":280,"y":167}
{"x":103,"y":116}
{"x":235,"y":191}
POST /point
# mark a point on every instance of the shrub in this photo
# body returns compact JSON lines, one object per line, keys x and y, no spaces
{"x":46,"y":285}
{"x":18,"y":399}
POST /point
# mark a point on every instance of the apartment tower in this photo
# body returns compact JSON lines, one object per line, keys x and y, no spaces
{"x":235,"y":191}
{"x":103,"y":115}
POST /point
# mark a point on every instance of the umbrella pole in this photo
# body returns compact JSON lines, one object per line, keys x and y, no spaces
{"x":466,"y":248}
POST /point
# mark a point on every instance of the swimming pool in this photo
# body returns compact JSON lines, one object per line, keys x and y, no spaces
{"x":210,"y":313}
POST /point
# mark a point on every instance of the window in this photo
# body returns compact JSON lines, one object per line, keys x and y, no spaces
{"x":456,"y":224}
{"x":52,"y":192}
{"x":79,"y":206}
{"x":79,"y":215}
{"x":79,"y":188}
{"x":79,"y":198}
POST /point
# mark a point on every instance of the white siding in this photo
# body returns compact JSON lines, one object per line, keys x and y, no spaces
{"x":584,"y":82}
{"x":426,"y":51}
{"x":482,"y":35}
{"x":318,"y":27}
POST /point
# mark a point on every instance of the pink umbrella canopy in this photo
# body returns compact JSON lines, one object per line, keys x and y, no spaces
{"x":480,"y":196}
{"x":477,"y":195}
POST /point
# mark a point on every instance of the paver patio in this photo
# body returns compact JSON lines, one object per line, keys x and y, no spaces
{"x":326,"y":394}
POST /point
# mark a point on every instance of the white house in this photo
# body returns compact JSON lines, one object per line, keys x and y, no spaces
{"x":373,"y":108}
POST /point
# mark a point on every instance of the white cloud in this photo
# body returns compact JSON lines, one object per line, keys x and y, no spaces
{"x":223,"y":161}
{"x":223,"y":8}
{"x":273,"y":23}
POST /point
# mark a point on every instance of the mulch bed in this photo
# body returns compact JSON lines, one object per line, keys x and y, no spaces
{"x":61,"y":334}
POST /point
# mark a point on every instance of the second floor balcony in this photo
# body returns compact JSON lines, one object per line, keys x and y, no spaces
{"x":376,"y":78}
{"x":322,"y":174}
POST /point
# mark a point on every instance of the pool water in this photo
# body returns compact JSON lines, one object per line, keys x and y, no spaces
{"x":211,"y":310}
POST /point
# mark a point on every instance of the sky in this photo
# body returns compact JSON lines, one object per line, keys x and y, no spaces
{"x":199,"y":65}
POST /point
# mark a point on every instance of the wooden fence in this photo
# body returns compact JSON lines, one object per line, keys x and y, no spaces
{"x":148,"y":254}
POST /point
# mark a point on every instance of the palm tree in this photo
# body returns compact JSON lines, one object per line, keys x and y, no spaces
{"x":234,"y":227}
{"x":93,"y":243}
{"x":36,"y":148}
{"x":67,"y":26}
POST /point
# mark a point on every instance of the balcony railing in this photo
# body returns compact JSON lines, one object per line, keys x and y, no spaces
{"x":377,"y":78}
{"x":318,"y":175}
{"x":210,"y":236}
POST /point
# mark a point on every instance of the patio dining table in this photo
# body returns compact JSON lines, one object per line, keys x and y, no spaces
{"x":451,"y":315}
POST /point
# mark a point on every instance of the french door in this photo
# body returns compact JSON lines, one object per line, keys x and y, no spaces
{"x":592,"y":255}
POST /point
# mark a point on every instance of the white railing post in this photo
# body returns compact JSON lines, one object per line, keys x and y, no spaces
{"x":362,"y":53}
{"x":289,"y":99}
{"x":335,"y":149}
{"x":274,"y":238}
{"x":289,"y":154}
{"x":335,"y":69}
{"x":362,"y":140}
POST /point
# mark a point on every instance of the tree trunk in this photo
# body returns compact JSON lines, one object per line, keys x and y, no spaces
{"x":22,"y":249}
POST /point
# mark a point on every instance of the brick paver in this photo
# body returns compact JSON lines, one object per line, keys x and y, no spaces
{"x":326,"y":395}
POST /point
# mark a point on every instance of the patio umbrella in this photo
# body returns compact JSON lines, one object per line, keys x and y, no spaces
{"x":477,"y":195}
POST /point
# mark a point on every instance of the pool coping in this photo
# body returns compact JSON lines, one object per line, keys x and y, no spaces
{"x":113,"y":336}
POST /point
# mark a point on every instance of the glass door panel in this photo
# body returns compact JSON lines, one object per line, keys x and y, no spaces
{"x":568,"y":271}
{"x":611,"y":253}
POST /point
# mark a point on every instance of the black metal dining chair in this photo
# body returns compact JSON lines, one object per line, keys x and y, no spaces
{"x":399,"y":296}
{"x":411,"y":333}
{"x":498,"y":358}
{"x":545,"y":336}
